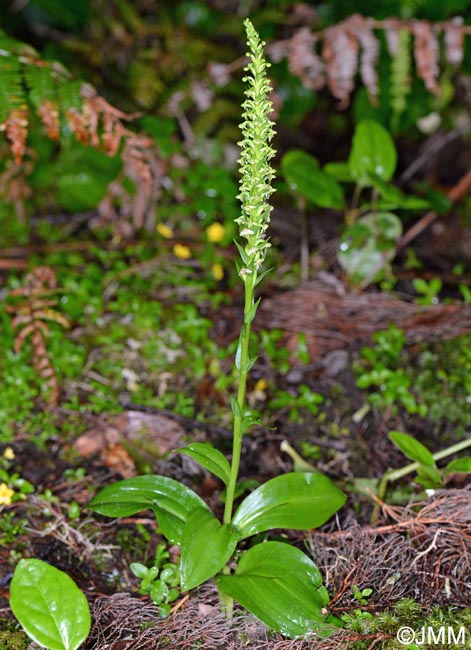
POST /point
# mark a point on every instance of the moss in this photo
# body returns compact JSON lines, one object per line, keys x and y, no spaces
{"x":11,"y":637}
{"x":407,"y":613}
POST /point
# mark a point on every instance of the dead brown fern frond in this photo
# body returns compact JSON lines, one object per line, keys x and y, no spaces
{"x":30,"y":321}
{"x":333,"y":56}
{"x":30,"y":85}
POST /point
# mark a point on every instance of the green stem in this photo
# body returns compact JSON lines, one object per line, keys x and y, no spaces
{"x":396,"y":474}
{"x":239,"y":415}
{"x":226,"y":601}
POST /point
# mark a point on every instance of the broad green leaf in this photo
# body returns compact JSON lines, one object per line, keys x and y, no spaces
{"x":412,"y":448}
{"x":368,"y":245}
{"x":304,"y":176}
{"x":459,"y":466}
{"x":395,"y":198}
{"x":210,"y":458}
{"x":415,"y":203}
{"x":139,"y":570}
{"x":49,"y":605}
{"x":171,"y":502}
{"x":388,"y":191}
{"x":340,"y":171}
{"x":298,"y":500}
{"x":281,"y":586}
{"x":206,"y":546}
{"x":373,"y":153}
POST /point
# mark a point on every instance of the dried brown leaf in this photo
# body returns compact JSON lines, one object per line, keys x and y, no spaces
{"x":427,"y":53}
{"x":303,"y":60}
{"x":391,"y":33}
{"x":454,"y":41}
{"x":49,"y":115}
{"x":77,"y":125}
{"x":340,"y":53}
{"x":16,"y":129}
{"x":368,"y":59}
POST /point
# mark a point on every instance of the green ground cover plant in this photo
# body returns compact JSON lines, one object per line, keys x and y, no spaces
{"x":372,"y":226}
{"x":432,"y":381}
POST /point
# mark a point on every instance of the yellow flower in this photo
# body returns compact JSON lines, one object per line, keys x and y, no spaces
{"x":164,"y":230}
{"x":9,"y":454}
{"x":260,"y":386}
{"x":182,"y":251}
{"x":6,"y":494}
{"x":217,"y":271}
{"x":215,"y":232}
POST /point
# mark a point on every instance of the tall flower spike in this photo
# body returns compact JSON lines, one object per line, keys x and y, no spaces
{"x":256,"y":152}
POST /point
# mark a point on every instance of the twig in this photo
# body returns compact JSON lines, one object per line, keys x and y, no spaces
{"x":431,"y":148}
{"x":344,"y":587}
{"x":455,"y":193}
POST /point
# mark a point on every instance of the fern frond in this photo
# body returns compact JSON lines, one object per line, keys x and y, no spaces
{"x":13,"y":97}
{"x":400,"y":76}
{"x":335,"y":62}
{"x":70,"y":95}
{"x":31,"y":319}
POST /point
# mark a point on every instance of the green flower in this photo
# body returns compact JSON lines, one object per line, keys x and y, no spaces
{"x":256,"y":152}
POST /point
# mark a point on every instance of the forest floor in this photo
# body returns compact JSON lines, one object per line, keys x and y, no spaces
{"x":145,"y":365}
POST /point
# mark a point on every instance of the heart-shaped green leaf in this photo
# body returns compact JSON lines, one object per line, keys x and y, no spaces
{"x":206,"y":546}
{"x":304,"y":176}
{"x":412,"y":448}
{"x":282,"y":587}
{"x":210,"y":458}
{"x":171,"y":502}
{"x":373,"y":153}
{"x":298,"y":500}
{"x":49,"y":605}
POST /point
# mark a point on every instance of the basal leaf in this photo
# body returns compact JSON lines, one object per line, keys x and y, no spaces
{"x":171,"y":502}
{"x":305,"y":177}
{"x":298,"y":500}
{"x":210,"y":458}
{"x":373,"y":153}
{"x":206,"y":546}
{"x":282,"y":587}
{"x":49,"y":605}
{"x":412,"y":448}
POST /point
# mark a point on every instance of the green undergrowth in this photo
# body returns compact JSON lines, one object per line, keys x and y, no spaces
{"x":135,"y":329}
{"x":431,"y":381}
{"x":11,"y":636}
{"x":408,"y":613}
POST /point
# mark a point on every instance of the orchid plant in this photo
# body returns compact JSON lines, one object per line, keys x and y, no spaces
{"x":275,"y":581}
